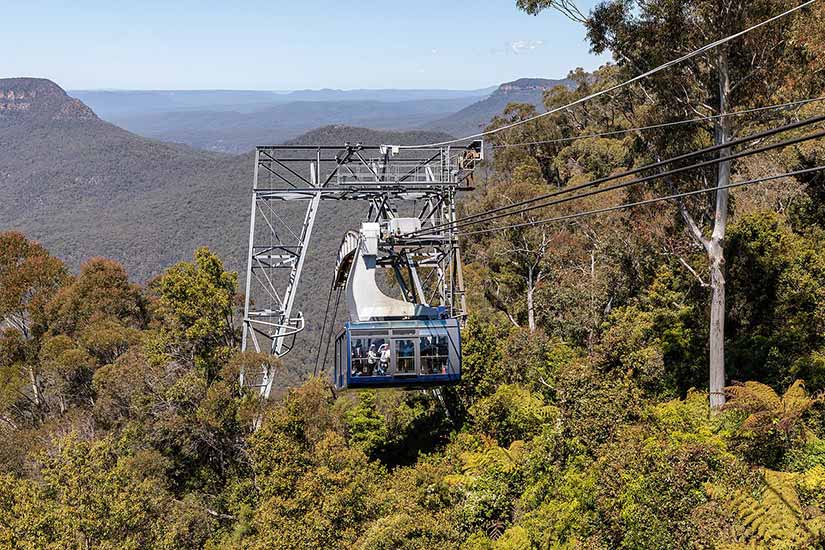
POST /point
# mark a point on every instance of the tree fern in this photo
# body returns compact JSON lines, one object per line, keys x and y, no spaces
{"x":774,"y":517}
{"x":767,"y":411}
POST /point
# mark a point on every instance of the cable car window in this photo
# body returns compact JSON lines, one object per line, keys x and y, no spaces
{"x":404,"y":356}
{"x":435,"y":354}
{"x":366,"y":354}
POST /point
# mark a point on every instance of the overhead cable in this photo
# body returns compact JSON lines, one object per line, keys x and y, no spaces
{"x":801,"y":103}
{"x":615,"y":87}
{"x":660,"y":175}
{"x":323,"y":330}
{"x":469,"y":220}
{"x":643,"y":203}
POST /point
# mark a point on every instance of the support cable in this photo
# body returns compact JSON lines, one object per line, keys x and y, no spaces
{"x":800,"y":103}
{"x":615,"y":87}
{"x":334,"y":319}
{"x":653,"y":177}
{"x":488,"y":215}
{"x":323,"y":328}
{"x":645,"y":202}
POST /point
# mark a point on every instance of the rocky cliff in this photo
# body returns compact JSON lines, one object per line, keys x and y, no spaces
{"x":477,"y":116}
{"x":526,"y":85}
{"x":38,"y":100}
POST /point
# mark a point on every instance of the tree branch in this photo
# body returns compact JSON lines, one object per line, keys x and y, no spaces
{"x":689,"y":268}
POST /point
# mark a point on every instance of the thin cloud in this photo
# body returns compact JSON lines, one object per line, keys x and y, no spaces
{"x":525,"y":46}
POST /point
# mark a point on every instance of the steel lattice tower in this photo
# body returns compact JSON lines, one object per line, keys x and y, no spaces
{"x":386,"y":180}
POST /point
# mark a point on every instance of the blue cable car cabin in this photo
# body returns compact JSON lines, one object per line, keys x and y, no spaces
{"x":406,"y":353}
{"x":389,"y":342}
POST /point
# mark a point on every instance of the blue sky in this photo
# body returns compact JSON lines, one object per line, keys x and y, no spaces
{"x":276,"y":45}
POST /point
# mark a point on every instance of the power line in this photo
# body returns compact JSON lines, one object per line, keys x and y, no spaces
{"x":615,"y":87}
{"x":646,"y":179}
{"x":644,"y":202}
{"x":664,"y":125}
{"x":331,"y":333}
{"x":468,"y":220}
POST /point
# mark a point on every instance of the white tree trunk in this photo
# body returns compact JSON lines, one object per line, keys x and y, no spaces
{"x":531,"y":313}
{"x":33,"y":380}
{"x":715,"y":248}
{"x":717,"y":325}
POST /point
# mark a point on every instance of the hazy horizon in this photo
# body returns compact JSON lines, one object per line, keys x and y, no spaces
{"x":276,"y":91}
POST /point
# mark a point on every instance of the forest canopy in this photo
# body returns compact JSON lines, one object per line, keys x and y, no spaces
{"x":584,"y":417}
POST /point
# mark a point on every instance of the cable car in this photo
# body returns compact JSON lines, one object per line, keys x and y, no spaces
{"x":389,"y":342}
{"x":409,"y":353}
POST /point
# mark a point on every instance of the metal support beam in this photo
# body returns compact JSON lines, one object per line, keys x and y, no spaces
{"x":392,"y":183}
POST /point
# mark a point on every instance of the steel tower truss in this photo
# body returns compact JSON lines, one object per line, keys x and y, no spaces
{"x":391,"y":182}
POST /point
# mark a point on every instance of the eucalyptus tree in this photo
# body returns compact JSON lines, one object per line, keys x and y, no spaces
{"x":745,"y":73}
{"x":29,"y":278}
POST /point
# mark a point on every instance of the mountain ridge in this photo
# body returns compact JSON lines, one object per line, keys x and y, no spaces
{"x":270,"y":117}
{"x":474,"y":118}
{"x":237,"y":132}
{"x":38,"y":99}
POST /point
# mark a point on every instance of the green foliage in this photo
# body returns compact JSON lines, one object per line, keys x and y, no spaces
{"x":310,"y":483}
{"x":778,"y":302}
{"x":29,"y":277}
{"x":196,"y":302}
{"x":89,"y":497}
{"x":514,"y":538}
{"x":480,"y":357}
{"x":809,"y":454}
{"x":511,"y":413}
{"x":593,"y":405}
{"x":772,"y":424}
{"x":418,"y":530}
{"x":773,"y":516}
{"x":586,"y":160}
{"x":107,"y":340}
{"x":366,"y":428}
{"x":490,"y":479}
{"x":100,"y":292}
{"x":545,"y":445}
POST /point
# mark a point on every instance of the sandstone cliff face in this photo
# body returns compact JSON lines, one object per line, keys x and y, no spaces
{"x":530,"y":85}
{"x":38,"y":100}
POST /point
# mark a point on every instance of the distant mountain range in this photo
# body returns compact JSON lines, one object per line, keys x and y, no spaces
{"x":237,"y":132}
{"x":85,"y":187}
{"x":112,"y":103}
{"x":234,"y":122}
{"x":474,"y":118}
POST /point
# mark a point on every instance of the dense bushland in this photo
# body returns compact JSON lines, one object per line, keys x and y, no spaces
{"x":123,"y":425}
{"x":583,"y":419}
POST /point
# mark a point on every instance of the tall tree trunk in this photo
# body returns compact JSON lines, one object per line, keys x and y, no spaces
{"x":531,"y":313}
{"x":591,"y":333}
{"x":715,"y":247}
{"x":33,"y":380}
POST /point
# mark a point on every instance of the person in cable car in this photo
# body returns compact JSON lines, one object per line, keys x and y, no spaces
{"x":372,"y":359}
{"x":357,"y":361}
{"x":384,"y":362}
